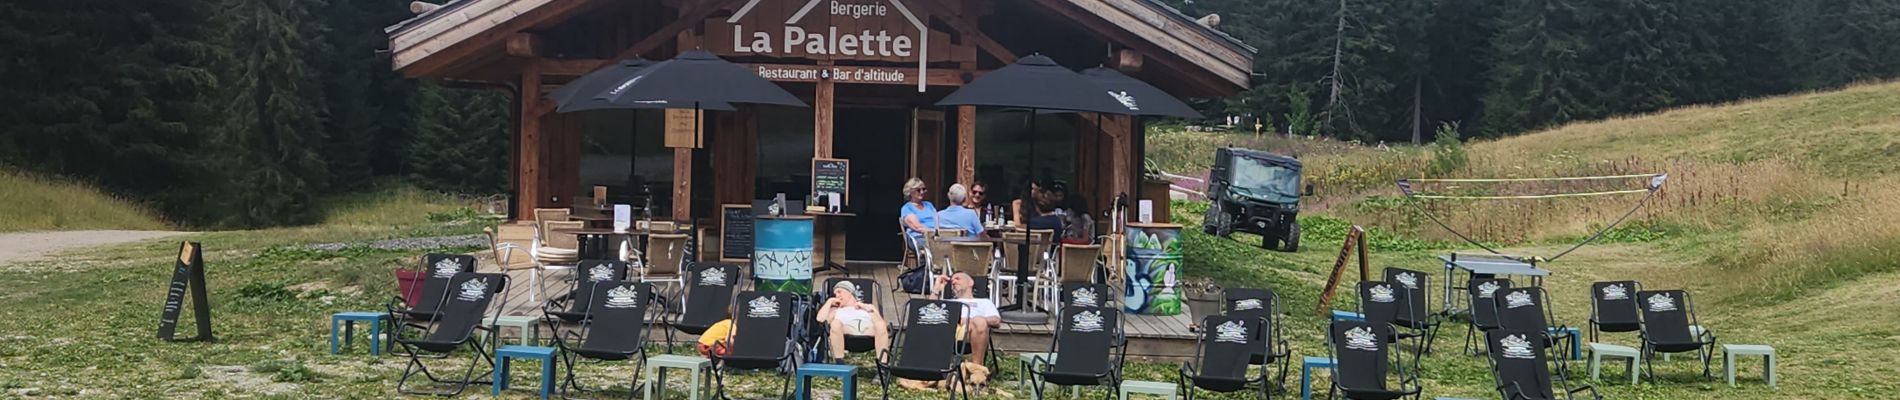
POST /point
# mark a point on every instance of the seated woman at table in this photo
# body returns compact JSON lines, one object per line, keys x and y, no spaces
{"x":846,"y":315}
{"x":917,"y":215}
{"x":1032,"y":192}
{"x":958,"y":216}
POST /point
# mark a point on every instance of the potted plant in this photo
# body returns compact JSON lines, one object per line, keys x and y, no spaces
{"x":1203,"y":299}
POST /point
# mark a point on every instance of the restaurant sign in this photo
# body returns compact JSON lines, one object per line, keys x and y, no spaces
{"x":866,"y":30}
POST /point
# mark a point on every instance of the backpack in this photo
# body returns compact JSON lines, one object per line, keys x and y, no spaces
{"x":914,"y":281}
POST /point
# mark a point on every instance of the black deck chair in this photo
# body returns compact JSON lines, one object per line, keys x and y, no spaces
{"x":1087,"y":295}
{"x":1381,"y":301}
{"x":1482,"y":296}
{"x":437,"y":269}
{"x":1667,"y":316}
{"x":708,"y":299}
{"x":926,"y":348}
{"x":1613,"y":307}
{"x":1362,"y":362}
{"x":613,"y":329}
{"x":1085,"y":344}
{"x":1220,"y":358}
{"x":868,"y":290}
{"x":572,"y":307}
{"x":465,"y":301}
{"x":1262,"y":304}
{"x":1529,"y":309}
{"x":1521,"y":365}
{"x":761,"y":338}
{"x":1415,"y":307}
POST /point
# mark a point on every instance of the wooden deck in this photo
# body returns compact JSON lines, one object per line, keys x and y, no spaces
{"x":1151,"y":337}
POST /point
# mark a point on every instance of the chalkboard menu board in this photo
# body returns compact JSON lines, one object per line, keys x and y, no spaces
{"x":735,"y":233}
{"x":831,"y":175}
{"x":188,"y":275}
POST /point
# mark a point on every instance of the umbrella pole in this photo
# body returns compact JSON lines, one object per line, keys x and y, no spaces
{"x":1023,"y":314}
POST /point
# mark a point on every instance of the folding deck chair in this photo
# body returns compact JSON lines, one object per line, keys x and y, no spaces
{"x":1528,"y":309}
{"x":761,"y":339}
{"x":1363,"y":363}
{"x":708,"y":299}
{"x":1613,"y":307}
{"x":465,"y":300}
{"x":1086,"y":350}
{"x":613,"y":328}
{"x":1667,"y":316}
{"x":927,"y":346}
{"x":1521,"y":365}
{"x":1087,"y":295}
{"x":1415,"y":307}
{"x":1382,"y":302}
{"x":1482,"y":295}
{"x":1220,"y":358}
{"x":1262,"y":304}
{"x":439,"y":268}
{"x":572,"y":307}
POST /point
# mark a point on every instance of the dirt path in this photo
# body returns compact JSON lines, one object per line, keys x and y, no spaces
{"x":29,"y":246}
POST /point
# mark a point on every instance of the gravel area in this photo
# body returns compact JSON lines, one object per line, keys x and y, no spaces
{"x":30,"y":246}
{"x":419,"y":243}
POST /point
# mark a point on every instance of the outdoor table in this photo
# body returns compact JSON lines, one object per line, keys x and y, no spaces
{"x":595,"y":241}
{"x":1485,"y":266}
{"x":831,"y":221}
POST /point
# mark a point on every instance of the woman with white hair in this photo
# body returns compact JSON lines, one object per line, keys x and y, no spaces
{"x":918,"y":215}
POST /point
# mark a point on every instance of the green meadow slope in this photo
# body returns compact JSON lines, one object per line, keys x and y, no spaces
{"x":34,"y":203}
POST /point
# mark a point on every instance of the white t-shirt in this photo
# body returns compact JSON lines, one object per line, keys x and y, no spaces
{"x":979,"y":308}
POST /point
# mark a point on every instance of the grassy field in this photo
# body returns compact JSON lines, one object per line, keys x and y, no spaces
{"x":37,"y":203}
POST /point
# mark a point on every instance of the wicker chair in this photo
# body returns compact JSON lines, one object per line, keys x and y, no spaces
{"x":553,"y":251}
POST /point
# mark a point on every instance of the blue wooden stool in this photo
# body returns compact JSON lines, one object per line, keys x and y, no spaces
{"x":847,"y":373}
{"x":1307,"y":364}
{"x":1576,"y":339}
{"x":349,"y":319}
{"x":545,"y":354}
{"x":1341,"y":315}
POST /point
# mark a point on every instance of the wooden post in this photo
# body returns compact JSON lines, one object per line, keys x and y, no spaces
{"x":1123,"y":172}
{"x":822,"y":113}
{"x":528,"y":195}
{"x":966,"y":129}
{"x":683,"y":156}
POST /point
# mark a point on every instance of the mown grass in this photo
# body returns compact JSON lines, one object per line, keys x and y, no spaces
{"x":37,"y":203}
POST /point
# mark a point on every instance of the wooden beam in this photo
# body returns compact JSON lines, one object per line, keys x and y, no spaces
{"x":528,"y":195}
{"x":1154,"y":35}
{"x":1128,"y":60}
{"x":687,"y":19}
{"x":969,"y":31}
{"x":682,"y":184}
{"x":524,"y":45}
{"x":966,"y":144}
{"x":430,"y":49}
{"x":822,"y":113}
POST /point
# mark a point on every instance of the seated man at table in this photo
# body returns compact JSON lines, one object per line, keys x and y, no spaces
{"x":979,"y":314}
{"x":848,"y":316}
{"x":956,"y":215}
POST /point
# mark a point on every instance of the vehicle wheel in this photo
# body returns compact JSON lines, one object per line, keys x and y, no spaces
{"x":1293,"y":237}
{"x":1222,"y":222}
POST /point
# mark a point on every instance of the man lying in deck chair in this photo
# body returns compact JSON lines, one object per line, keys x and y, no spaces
{"x":439,"y":269}
{"x":1481,"y":295}
{"x":980,"y":319}
{"x":1362,"y":363}
{"x":761,"y":338}
{"x":1415,"y":311}
{"x":926,"y":347}
{"x":1521,"y":364}
{"x":455,"y":325}
{"x":850,"y":319}
{"x":1085,"y":351}
{"x":1264,"y":305}
{"x":614,"y":329}
{"x":708,"y":299}
{"x":572,"y":307}
{"x":1613,"y":307}
{"x":1667,"y":318}
{"x":1220,"y":358}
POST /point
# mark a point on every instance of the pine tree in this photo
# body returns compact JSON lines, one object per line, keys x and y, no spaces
{"x":273,"y":133}
{"x":1537,"y":78}
{"x":460,"y":140}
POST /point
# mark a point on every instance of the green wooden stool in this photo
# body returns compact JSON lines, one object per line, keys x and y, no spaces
{"x":1146,"y":387}
{"x":1729,"y":351}
{"x":657,"y":365}
{"x":1598,"y":351}
{"x":529,"y":336}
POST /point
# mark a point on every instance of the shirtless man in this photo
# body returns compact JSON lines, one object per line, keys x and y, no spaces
{"x":980,"y":316}
{"x":848,"y":316}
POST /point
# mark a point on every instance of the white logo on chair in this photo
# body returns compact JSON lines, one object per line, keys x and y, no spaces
{"x":600,"y":272}
{"x":1409,"y":279}
{"x":472,"y":290}
{"x":1084,"y":296}
{"x":623,"y":296}
{"x":1249,"y":304}
{"x":1488,"y":289}
{"x":1662,"y":302}
{"x":1382,"y":293}
{"x":712,"y":277}
{"x":1230,"y":332}
{"x":1615,"y":291}
{"x":447,"y":267}
{"x":762,"y":307}
{"x":933,"y":314}
{"x":1518,"y":299}
{"x":1086,"y":321}
{"x":1361,"y":338}
{"x":1516,"y":346}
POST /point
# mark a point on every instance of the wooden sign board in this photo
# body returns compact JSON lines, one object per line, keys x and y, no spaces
{"x":735,"y":233}
{"x":683,"y":127}
{"x":831,"y":175}
{"x":188,"y":275}
{"x":1355,"y":238}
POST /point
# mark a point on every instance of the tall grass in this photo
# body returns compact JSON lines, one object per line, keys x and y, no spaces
{"x":35,"y":203}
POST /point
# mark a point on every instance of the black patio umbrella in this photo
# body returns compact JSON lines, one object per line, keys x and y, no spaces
{"x":1034,"y":83}
{"x":699,"y":78}
{"x":1140,"y":97}
{"x":582,"y":93}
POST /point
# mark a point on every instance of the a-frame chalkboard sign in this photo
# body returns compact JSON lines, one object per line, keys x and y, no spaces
{"x":188,"y":274}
